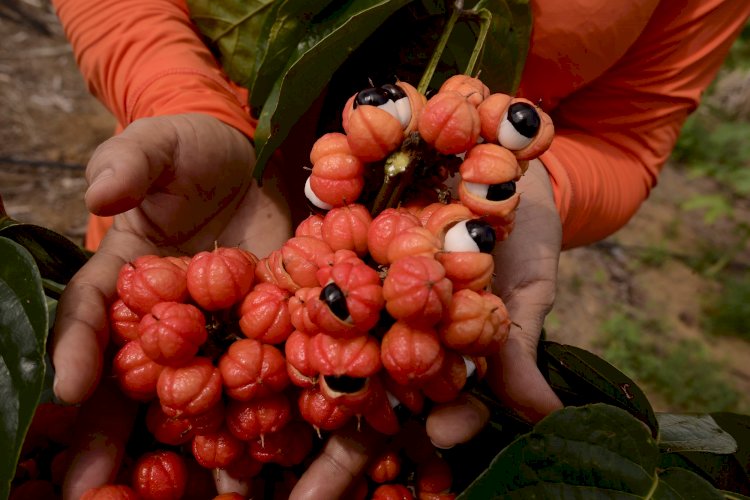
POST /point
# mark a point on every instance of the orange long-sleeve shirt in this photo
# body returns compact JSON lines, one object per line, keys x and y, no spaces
{"x":618,"y":78}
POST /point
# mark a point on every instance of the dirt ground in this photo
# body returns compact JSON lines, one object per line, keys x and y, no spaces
{"x":51,"y":124}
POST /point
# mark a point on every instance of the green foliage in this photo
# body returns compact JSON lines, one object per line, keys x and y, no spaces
{"x":682,"y":372}
{"x":711,"y":145}
{"x":289,"y":52}
{"x":563,"y":458}
{"x":23,"y":334}
{"x":728,"y":312}
{"x":739,"y":55}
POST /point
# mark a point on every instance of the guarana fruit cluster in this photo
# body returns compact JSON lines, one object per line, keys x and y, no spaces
{"x":359,"y":317}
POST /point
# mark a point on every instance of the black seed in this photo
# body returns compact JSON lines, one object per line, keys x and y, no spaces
{"x":482,"y":234}
{"x":524,"y":119}
{"x":394,"y":91}
{"x":374,"y":96}
{"x":502,"y":191}
{"x":345,"y":383}
{"x":334,"y":297}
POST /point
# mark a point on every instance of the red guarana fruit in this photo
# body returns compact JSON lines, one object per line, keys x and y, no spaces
{"x":384,"y":228}
{"x":160,"y":475}
{"x":476,"y":324}
{"x":411,"y":355}
{"x":123,"y":323}
{"x":392,"y":491}
{"x":248,"y":420}
{"x":190,"y":389}
{"x":135,"y":372}
{"x":264,"y":314}
{"x":385,"y":467}
{"x":346,"y":228}
{"x":251,"y":369}
{"x":322,"y":412}
{"x":449,"y":123}
{"x":151,"y":279}
{"x":217,"y":450}
{"x":172,"y":333}
{"x":173,"y":431}
{"x":417,"y":291}
{"x":220,"y":278}
{"x":469,"y":87}
{"x":106,"y":492}
{"x":287,"y":447}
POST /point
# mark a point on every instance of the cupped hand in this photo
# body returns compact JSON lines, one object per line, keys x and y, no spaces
{"x":525,"y":278}
{"x":175,"y":185}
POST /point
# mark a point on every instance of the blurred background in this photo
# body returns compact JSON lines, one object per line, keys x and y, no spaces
{"x":666,"y":299}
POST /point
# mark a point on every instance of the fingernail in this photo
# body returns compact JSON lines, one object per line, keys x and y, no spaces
{"x":441,"y":447}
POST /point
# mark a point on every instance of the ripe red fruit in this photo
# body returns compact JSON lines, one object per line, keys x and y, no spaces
{"x":449,"y":123}
{"x":288,"y":446}
{"x":135,"y":372}
{"x":189,"y":389}
{"x":150,"y":279}
{"x":350,"y":302}
{"x":172,"y":333}
{"x":337,"y":178}
{"x":123,"y":323}
{"x":220,"y":278}
{"x":416,"y":290}
{"x":471,"y":88}
{"x":357,"y":357}
{"x":321,"y":411}
{"x":387,"y":225}
{"x":208,"y":421}
{"x":165,"y":429}
{"x":252,"y":369}
{"x":413,"y":241}
{"x":217,"y":450}
{"x":476,"y":323}
{"x":472,"y":270}
{"x":446,"y":385}
{"x":312,"y":226}
{"x":264,"y":314}
{"x":385,"y":467}
{"x":346,"y":228}
{"x":300,"y":371}
{"x":300,"y":314}
{"x":411,"y":355}
{"x":109,"y":492}
{"x":392,"y":492}
{"x":248,"y":420}
{"x":160,"y":475}
{"x":244,"y":468}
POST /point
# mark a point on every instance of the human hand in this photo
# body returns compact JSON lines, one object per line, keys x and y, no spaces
{"x":525,"y":278}
{"x":175,"y":185}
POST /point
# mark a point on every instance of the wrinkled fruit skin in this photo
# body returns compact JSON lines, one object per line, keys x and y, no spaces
{"x":160,"y":475}
{"x":411,"y":355}
{"x":150,"y":279}
{"x":417,"y":291}
{"x":190,"y":389}
{"x":172,"y":333}
{"x":449,"y":123}
{"x":252,"y":369}
{"x":220,"y":278}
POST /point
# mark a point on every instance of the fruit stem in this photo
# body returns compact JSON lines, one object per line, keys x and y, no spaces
{"x":437,"y":54}
{"x":485,"y":20}
{"x":399,"y":171}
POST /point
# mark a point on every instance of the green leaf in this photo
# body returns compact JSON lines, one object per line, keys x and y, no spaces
{"x":595,"y":451}
{"x":693,"y":433}
{"x":581,"y":377}
{"x":23,"y":334}
{"x":281,"y":32}
{"x":57,"y":257}
{"x":677,"y":483}
{"x":311,"y":65}
{"x":233,"y":29}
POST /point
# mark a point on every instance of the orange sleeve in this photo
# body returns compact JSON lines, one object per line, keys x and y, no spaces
{"x":614,"y":134}
{"x":144,"y":58}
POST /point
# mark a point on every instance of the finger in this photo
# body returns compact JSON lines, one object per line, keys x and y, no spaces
{"x":81,"y":330}
{"x":225,"y":483}
{"x":100,"y":434}
{"x":342,"y":460}
{"x":513,"y":373}
{"x":456,"y":422}
{"x":122,"y":169}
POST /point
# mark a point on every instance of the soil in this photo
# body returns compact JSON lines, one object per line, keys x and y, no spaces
{"x":52,"y":124}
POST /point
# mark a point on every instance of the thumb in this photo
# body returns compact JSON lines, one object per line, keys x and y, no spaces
{"x":122,"y":169}
{"x":513,"y":372}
